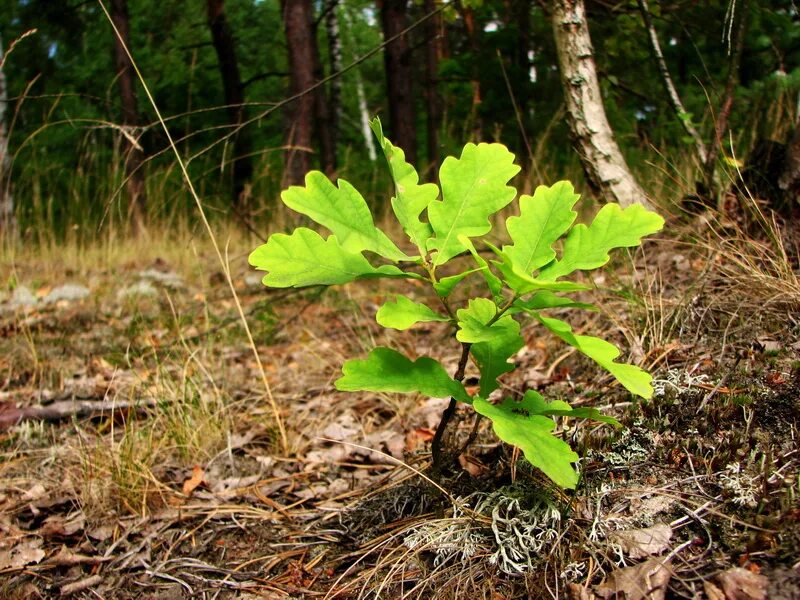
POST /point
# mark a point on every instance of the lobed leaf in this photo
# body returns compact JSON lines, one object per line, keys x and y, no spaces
{"x":411,"y":198}
{"x":386,"y":370}
{"x":445,"y":286}
{"x":344,"y":211}
{"x":547,"y":299}
{"x":492,"y":344}
{"x":518,"y":424}
{"x":492,"y":280}
{"x":536,"y":404}
{"x":474,"y":187}
{"x":588,"y":247}
{"x":544,"y":218}
{"x":404,"y":313}
{"x":304,"y":258}
{"x":523,"y":283}
{"x":635,"y":380}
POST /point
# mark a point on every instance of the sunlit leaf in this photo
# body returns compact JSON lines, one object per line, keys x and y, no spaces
{"x":386,"y":370}
{"x":535,"y":404}
{"x":344,"y":212}
{"x":492,"y":344}
{"x":544,"y":218}
{"x":588,"y":247}
{"x":304,"y":258}
{"x":404,"y":313}
{"x":532,"y":433}
{"x":474,"y":187}
{"x":411,"y":198}
{"x":634,"y":379}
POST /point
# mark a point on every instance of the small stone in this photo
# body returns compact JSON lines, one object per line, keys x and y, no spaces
{"x":253,"y":280}
{"x":140,"y":288}
{"x":69,"y":292}
{"x":22,"y":297}
{"x":169,"y":280}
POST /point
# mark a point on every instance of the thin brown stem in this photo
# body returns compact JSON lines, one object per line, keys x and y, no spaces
{"x":449,"y":412}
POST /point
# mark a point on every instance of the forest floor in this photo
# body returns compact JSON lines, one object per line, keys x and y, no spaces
{"x":139,"y":457}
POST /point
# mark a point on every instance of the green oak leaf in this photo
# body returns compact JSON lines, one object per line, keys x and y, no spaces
{"x":386,"y":370}
{"x":532,"y":433}
{"x":544,"y":218}
{"x":445,"y":286}
{"x":547,"y":299}
{"x":492,"y":344}
{"x":634,"y":379}
{"x":535,"y":404}
{"x":613,"y":227}
{"x":474,"y":187}
{"x":304,"y":258}
{"x":344,"y":211}
{"x":492,"y":280}
{"x":411,"y":198}
{"x":404,"y":313}
{"x":523,"y":283}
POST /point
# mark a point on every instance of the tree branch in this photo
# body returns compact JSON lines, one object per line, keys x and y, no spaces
{"x":666,"y":79}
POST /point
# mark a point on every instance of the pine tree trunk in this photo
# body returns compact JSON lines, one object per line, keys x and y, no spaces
{"x":789,"y":181}
{"x":433,"y":55}
{"x":225,"y":47}
{"x":134,"y":160}
{"x":322,"y":114}
{"x":397,"y":58}
{"x":335,"y":57}
{"x":476,"y":120}
{"x":602,"y":160}
{"x":299,"y":28}
{"x":8,"y":223}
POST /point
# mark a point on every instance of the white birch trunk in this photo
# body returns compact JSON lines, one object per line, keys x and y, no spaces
{"x":602,"y":160}
{"x":362,"y":97}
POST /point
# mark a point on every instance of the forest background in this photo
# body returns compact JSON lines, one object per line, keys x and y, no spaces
{"x":86,"y":151}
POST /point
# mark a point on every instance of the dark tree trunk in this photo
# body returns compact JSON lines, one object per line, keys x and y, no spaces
{"x":399,"y":74}
{"x":130,"y":117}
{"x":299,"y":28}
{"x":433,"y":54}
{"x":605,"y":167}
{"x":234,"y":98}
{"x":471,"y":27}
{"x":322,"y":114}
{"x":8,"y":224}
{"x":789,"y":180}
{"x":521,"y":13}
{"x":335,"y":57}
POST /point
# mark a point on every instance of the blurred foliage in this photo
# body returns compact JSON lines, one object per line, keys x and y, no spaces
{"x":67,"y":167}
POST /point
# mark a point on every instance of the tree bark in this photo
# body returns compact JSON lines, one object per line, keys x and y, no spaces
{"x":468,"y":17}
{"x":605,"y":167}
{"x":299,"y":28}
{"x":323,"y":114}
{"x":134,"y":160}
{"x":399,"y":75}
{"x":363,"y":109}
{"x":669,"y":87}
{"x":433,"y":55}
{"x":225,"y":47}
{"x":8,"y":222}
{"x":335,"y":54}
{"x":789,"y":181}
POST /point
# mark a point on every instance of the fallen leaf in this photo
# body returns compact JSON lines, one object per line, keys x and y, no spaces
{"x":645,"y":580}
{"x":578,"y":592}
{"x":192,"y":483}
{"x":67,"y":558}
{"x":641,"y":543}
{"x":741,"y":584}
{"x":712,"y":591}
{"x":29,"y":552}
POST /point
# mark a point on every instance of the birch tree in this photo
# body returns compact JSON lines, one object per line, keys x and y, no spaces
{"x":605,"y":167}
